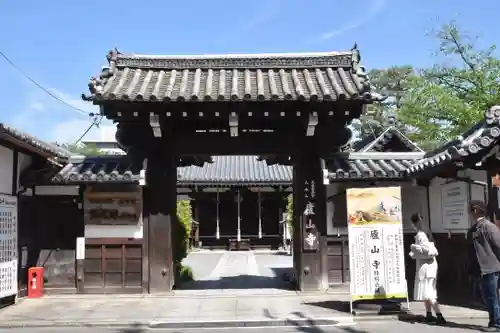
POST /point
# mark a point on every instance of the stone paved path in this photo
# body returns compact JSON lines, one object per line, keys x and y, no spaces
{"x":241,"y":272}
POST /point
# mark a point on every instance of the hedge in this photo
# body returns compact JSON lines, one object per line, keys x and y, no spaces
{"x":181,"y":231}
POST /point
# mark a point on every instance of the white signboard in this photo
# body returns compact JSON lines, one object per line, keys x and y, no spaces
{"x":454,"y":205}
{"x":8,"y":245}
{"x":377,"y":262}
{"x":376,"y":244}
{"x":80,"y":248}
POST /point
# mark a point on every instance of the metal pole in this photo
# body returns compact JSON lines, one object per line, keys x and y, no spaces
{"x":217,"y":230}
{"x":239,"y":214}
{"x":260,"y":213}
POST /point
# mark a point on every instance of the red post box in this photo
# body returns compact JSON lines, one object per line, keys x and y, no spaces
{"x":35,"y":282}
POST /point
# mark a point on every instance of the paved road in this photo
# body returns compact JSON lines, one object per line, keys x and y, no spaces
{"x":377,"y":327}
{"x":238,"y":270}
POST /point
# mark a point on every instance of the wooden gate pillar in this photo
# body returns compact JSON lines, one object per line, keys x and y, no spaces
{"x":160,"y":214}
{"x":309,"y":220}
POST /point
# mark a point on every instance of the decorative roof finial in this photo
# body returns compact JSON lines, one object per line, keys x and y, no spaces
{"x":113,"y":54}
{"x":356,"y":57}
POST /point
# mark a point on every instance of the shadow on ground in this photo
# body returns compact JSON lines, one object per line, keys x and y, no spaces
{"x":419,"y":319}
{"x":281,"y":280}
{"x":384,"y":307}
{"x":133,"y":329}
{"x":309,"y":325}
{"x":463,"y":300}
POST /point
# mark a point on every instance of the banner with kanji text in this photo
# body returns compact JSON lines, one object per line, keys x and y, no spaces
{"x":376,"y":250}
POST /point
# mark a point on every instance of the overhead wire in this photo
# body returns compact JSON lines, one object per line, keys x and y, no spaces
{"x":95,"y":122}
{"x":51,"y":94}
{"x":96,"y":119}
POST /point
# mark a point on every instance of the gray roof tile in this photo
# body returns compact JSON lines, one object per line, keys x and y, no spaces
{"x":369,"y":165}
{"x":309,"y":77}
{"x":241,"y":169}
{"x":223,"y":170}
{"x":474,"y":144}
{"x":13,"y":134}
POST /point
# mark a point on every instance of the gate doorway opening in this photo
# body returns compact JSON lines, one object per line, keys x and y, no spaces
{"x":265,"y":270}
{"x":287,"y":109}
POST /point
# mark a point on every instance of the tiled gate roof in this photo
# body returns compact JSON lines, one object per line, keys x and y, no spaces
{"x":245,"y":170}
{"x":370,"y":165}
{"x":223,"y":170}
{"x":259,"y":77}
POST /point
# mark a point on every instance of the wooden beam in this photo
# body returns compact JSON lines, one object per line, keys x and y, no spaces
{"x":206,"y":110}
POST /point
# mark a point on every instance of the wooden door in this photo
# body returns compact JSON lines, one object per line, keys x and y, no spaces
{"x":338,"y":260}
{"x":113,"y":266}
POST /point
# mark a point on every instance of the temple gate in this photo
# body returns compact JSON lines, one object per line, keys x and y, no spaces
{"x":175,"y":111}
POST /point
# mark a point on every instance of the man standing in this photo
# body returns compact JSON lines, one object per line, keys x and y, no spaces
{"x":484,"y":260}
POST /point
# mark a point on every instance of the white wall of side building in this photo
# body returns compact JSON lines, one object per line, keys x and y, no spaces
{"x":427,"y":201}
{"x":6,"y":170}
{"x":414,"y":200}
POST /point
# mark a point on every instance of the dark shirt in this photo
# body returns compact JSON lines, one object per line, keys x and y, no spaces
{"x":484,"y":248}
{"x":472,"y":265}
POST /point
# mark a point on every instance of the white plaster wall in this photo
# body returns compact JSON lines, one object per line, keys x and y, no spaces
{"x":113,"y":231}
{"x":23,"y":161}
{"x":331,"y":190}
{"x":476,"y":192}
{"x":6,"y":161}
{"x":414,"y":200}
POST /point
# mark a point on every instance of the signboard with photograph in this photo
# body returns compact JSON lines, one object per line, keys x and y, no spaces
{"x":376,"y":244}
{"x":454,"y":205}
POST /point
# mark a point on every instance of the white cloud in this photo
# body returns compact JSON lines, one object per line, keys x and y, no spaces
{"x":79,"y":105}
{"x":71,"y":130}
{"x":37,"y":106}
{"x":372,"y":10}
{"x":64,"y":122}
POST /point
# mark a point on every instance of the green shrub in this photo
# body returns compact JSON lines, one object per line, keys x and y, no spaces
{"x":181,"y":230}
{"x":185,"y":274}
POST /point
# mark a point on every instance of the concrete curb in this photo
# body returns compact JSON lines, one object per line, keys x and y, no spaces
{"x":278,"y":322}
{"x":159,"y":324}
{"x":288,"y":322}
{"x":182,"y":325}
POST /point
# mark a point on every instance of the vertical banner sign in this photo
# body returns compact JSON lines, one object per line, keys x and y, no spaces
{"x":376,"y":249}
{"x":8,"y":245}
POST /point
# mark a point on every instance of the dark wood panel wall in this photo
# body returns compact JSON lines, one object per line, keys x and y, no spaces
{"x":271,"y":202}
{"x":48,"y":228}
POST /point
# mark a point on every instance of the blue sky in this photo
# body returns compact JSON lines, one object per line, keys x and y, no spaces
{"x":61,"y":44}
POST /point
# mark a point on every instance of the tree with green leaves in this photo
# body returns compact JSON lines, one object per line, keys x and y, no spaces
{"x":82,"y":149}
{"x":391,"y":83}
{"x":181,"y":229}
{"x":444,"y":101}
